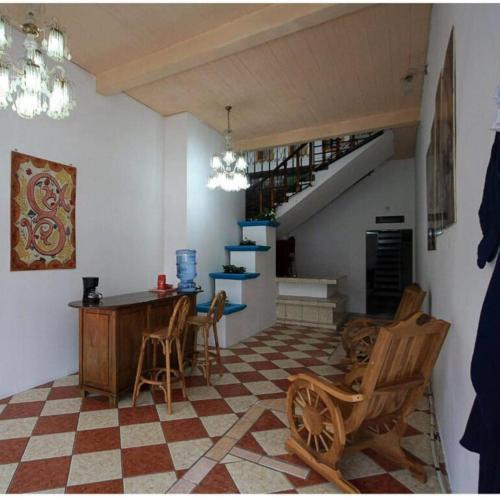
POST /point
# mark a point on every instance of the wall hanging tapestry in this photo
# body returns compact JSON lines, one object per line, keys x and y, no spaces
{"x":42,"y":228}
{"x":441,"y":153}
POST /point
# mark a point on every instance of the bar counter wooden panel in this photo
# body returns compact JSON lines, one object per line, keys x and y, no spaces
{"x":110,"y":338}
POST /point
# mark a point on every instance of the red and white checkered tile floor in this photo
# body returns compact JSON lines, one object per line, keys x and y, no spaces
{"x":227,"y":438}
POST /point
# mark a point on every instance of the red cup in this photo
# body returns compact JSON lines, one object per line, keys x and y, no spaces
{"x":162,"y":282}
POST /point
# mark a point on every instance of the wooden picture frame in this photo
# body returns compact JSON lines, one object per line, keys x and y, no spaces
{"x":440,"y":159}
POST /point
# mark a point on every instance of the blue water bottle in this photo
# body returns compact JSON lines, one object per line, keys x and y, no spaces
{"x":186,"y":270}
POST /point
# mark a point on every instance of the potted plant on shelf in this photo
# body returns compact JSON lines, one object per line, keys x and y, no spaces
{"x":247,"y":242}
{"x":230,"y":269}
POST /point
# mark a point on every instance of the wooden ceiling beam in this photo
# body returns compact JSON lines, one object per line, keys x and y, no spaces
{"x":246,"y":32}
{"x":393,"y":119}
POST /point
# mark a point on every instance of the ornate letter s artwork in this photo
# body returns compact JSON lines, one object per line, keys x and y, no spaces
{"x":42,"y":214}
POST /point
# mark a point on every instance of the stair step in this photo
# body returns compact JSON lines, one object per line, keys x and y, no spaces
{"x":234,"y":276}
{"x":247,"y":248}
{"x":248,"y":223}
{"x":228,"y":308}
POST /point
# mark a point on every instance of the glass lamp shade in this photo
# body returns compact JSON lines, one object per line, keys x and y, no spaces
{"x":39,"y":60}
{"x":4,"y":84}
{"x":61,"y":100}
{"x":34,"y":54}
{"x":241,"y":165}
{"x":229,"y":157}
{"x":5,"y":34}
{"x":28,"y":104}
{"x":55,"y":44}
{"x":31,"y":79}
{"x":217,"y":163}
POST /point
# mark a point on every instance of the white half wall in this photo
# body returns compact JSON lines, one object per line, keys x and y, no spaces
{"x":195,"y":216}
{"x":457,"y":287}
{"x":116,"y":144}
{"x":332,"y":242}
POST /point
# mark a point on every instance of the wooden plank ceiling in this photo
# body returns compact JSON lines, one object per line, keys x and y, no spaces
{"x":310,"y":70}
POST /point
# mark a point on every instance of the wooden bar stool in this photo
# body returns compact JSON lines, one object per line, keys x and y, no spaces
{"x":204,"y":323}
{"x":166,"y":337}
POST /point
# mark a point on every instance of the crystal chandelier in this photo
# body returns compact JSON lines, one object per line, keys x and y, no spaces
{"x":29,"y":86}
{"x":229,"y":169}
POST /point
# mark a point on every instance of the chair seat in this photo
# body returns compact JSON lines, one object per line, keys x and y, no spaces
{"x":155,"y":333}
{"x":199,"y":320}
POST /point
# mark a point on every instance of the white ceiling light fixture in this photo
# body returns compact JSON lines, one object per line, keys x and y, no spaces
{"x":229,"y":169}
{"x":29,"y":86}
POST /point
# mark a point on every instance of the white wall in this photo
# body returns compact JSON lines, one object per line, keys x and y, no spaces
{"x":116,"y":146}
{"x":456,"y":285}
{"x":174,"y":191}
{"x":210,"y":216}
{"x":332,"y":242}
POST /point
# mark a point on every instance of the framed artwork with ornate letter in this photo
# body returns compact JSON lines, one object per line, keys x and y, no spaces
{"x":441,"y":206}
{"x":42,"y":229}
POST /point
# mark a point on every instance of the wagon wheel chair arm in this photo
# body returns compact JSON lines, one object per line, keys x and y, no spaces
{"x":315,"y":419}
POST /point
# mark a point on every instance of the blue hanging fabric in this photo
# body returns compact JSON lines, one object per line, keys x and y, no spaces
{"x":482,"y":433}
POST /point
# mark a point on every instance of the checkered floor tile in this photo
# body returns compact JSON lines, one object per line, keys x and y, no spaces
{"x":226,"y":438}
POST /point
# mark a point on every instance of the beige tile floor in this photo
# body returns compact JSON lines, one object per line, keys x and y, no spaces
{"x":227,"y":438}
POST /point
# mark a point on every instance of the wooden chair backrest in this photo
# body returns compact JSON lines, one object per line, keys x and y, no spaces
{"x":399,"y":369}
{"x":217,"y":306}
{"x":411,"y":302}
{"x":178,"y":320}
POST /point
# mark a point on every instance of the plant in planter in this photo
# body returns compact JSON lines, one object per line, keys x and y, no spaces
{"x":230,"y":269}
{"x":269,"y":214}
{"x":247,"y":242}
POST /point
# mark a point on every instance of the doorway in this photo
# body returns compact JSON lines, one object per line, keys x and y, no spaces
{"x":389,"y":269}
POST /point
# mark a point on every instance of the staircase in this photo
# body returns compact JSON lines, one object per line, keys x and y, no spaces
{"x":273,"y":182}
{"x":333,"y":182}
{"x":251,"y":295}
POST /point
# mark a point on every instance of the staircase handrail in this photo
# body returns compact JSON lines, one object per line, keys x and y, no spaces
{"x":281,"y":164}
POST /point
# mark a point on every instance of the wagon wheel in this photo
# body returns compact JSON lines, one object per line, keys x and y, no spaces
{"x":315,"y":422}
{"x":362,"y":349}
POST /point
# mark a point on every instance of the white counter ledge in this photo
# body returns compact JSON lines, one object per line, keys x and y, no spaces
{"x":309,"y":286}
{"x":311,"y":301}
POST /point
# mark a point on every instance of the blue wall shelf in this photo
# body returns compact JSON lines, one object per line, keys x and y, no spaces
{"x":234,"y":276}
{"x":248,"y":223}
{"x":247,"y":248}
{"x":228,"y":308}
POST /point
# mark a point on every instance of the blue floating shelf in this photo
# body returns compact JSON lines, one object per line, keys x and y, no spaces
{"x":228,"y":308}
{"x":248,"y":223}
{"x":247,"y":248}
{"x":234,"y":276}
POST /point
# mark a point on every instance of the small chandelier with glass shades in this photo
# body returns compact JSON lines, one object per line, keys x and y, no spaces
{"x":229,"y":169}
{"x":29,"y":86}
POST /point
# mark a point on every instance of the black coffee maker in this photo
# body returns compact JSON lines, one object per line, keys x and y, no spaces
{"x":90,"y":295}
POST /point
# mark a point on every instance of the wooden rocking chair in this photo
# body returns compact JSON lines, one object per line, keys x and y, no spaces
{"x":359,"y":334}
{"x":370,"y":409}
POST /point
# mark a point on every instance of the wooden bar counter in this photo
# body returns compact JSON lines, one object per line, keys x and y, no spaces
{"x":110,"y":337}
